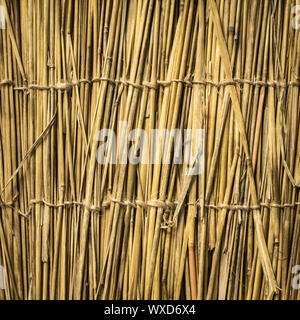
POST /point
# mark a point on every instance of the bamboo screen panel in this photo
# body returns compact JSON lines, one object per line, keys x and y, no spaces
{"x":84,"y":84}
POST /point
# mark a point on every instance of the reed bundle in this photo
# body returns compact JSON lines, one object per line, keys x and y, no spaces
{"x":71,"y":228}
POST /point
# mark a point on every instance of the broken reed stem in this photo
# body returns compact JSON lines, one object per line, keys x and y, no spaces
{"x":71,"y":228}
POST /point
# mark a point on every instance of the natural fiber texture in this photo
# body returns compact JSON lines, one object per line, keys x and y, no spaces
{"x":72,"y":228}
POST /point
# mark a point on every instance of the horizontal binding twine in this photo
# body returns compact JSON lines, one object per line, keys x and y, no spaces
{"x":6,"y":83}
{"x":94,"y":208}
{"x":165,"y":205}
{"x":164,"y":83}
{"x":236,"y":207}
{"x":134,"y":204}
{"x":10,"y":203}
{"x":59,"y":86}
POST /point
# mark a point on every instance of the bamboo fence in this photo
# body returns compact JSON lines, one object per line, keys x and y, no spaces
{"x":71,"y":228}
